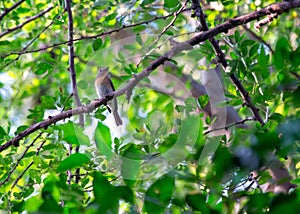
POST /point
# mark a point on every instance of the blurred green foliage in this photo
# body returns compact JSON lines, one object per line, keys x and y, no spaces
{"x":136,"y":172}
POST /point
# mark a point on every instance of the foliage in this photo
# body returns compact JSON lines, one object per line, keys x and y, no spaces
{"x":163,"y":160}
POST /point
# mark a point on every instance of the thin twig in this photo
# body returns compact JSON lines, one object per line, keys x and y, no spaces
{"x":258,"y":38}
{"x":171,"y":23}
{"x":162,"y":44}
{"x":42,"y":144}
{"x":27,"y":46}
{"x":229,"y":125}
{"x":26,"y":22}
{"x":153,"y":65}
{"x":6,"y":11}
{"x":21,"y":175}
{"x":20,"y":158}
{"x":73,"y":72}
{"x":54,"y":119}
{"x":90,"y":37}
{"x":244,"y":93}
{"x":71,"y":59}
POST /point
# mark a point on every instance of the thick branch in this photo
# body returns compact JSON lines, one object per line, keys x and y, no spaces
{"x":52,"y":120}
{"x":223,"y":28}
{"x":26,"y":22}
{"x":6,"y":11}
{"x":232,"y":23}
{"x":222,"y":59}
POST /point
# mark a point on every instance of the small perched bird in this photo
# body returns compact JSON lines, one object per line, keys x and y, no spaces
{"x":104,"y":87}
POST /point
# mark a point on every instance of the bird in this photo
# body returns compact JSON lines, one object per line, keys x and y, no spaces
{"x":104,"y":87}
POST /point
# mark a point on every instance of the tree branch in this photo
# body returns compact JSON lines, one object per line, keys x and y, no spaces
{"x":201,"y":17}
{"x":21,"y":175}
{"x":20,"y":158}
{"x":71,"y":59}
{"x":91,"y":37}
{"x":73,"y":72}
{"x":229,"y":125}
{"x":31,"y":42}
{"x":153,"y":65}
{"x":26,"y":22}
{"x":53,"y":119}
{"x":6,"y":11}
{"x":257,"y":37}
{"x":222,"y":28}
{"x":176,"y":14}
{"x":253,"y":16}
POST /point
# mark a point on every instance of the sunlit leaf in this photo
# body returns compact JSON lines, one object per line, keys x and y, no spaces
{"x":73,"y":134}
{"x":73,"y":161}
{"x":103,"y":140}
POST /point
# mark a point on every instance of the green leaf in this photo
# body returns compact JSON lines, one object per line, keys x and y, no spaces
{"x":203,"y":100}
{"x":32,"y":204}
{"x":277,"y":117}
{"x":139,"y":39}
{"x":233,"y":64}
{"x":125,"y":192}
{"x":263,"y":60}
{"x":48,"y":102}
{"x":103,"y":140}
{"x":170,"y":3}
{"x":51,"y":206}
{"x":253,"y":50}
{"x":73,"y":134}
{"x":197,"y":202}
{"x":281,"y":52}
{"x":282,"y":203}
{"x":104,"y":193}
{"x":37,"y":113}
{"x":188,"y":135}
{"x":169,"y":33}
{"x":294,"y":57}
{"x":222,"y":160}
{"x":237,"y":36}
{"x":41,"y":68}
{"x":159,"y":194}
{"x":23,"y":10}
{"x":190,"y":104}
{"x":97,"y":44}
{"x":20,"y":129}
{"x":168,"y":143}
{"x":99,"y":115}
{"x":111,"y":16}
{"x":257,"y":202}
{"x":146,"y":2}
{"x":131,"y":163}
{"x":2,"y":132}
{"x":73,"y":161}
{"x":139,"y":28}
{"x":227,"y":2}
